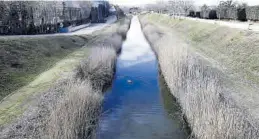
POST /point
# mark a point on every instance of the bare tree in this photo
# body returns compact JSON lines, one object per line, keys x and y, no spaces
{"x":161,"y":5}
{"x":204,"y":11}
{"x":180,"y":7}
{"x":228,"y":9}
{"x":186,"y":5}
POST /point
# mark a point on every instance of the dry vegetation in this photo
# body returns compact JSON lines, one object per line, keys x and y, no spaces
{"x":98,"y":67}
{"x":124,"y":27}
{"x":75,"y":115}
{"x":71,"y":108}
{"x":201,"y":90}
{"x":234,"y":49}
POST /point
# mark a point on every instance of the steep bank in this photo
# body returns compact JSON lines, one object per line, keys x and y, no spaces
{"x":72,"y":102}
{"x":215,"y":104}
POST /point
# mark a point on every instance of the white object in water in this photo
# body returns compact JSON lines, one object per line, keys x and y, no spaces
{"x":129,"y":81}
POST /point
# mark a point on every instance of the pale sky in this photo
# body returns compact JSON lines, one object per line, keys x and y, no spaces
{"x":197,"y":2}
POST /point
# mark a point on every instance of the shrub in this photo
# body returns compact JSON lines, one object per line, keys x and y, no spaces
{"x":241,"y":14}
{"x":191,"y":13}
{"x":122,"y":30}
{"x":213,"y":14}
{"x":76,"y":113}
{"x":124,"y":27}
{"x":198,"y":14}
{"x":201,"y":91}
{"x":252,"y":13}
{"x":98,"y":67}
{"x":115,"y":40}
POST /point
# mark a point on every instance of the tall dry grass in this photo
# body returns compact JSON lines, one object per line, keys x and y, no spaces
{"x":115,"y":41}
{"x":98,"y":67}
{"x":118,"y":35}
{"x":77,"y":112}
{"x":71,"y":108}
{"x":124,"y":27}
{"x":200,"y":89}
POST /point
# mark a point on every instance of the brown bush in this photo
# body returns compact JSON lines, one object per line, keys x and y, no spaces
{"x":76,"y":113}
{"x":98,"y":67}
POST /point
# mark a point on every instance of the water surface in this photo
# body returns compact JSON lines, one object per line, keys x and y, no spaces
{"x":134,"y":108}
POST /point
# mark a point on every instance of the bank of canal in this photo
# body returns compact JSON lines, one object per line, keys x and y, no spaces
{"x":137,"y":106}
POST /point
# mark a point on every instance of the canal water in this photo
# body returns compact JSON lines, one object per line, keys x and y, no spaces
{"x":137,"y":106}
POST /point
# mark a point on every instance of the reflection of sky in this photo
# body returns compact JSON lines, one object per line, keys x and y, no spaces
{"x":135,"y":110}
{"x":132,"y":52}
{"x":135,"y":51}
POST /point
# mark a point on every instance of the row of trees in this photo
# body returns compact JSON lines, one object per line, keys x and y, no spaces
{"x":174,"y":7}
{"x":228,"y":9}
{"x":28,"y":17}
{"x":225,"y":10}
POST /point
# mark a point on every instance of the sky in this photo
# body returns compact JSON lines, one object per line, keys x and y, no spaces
{"x":197,"y":2}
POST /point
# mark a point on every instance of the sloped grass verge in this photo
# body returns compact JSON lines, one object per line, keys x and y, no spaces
{"x":22,"y":59}
{"x":201,"y":89}
{"x":71,"y":106}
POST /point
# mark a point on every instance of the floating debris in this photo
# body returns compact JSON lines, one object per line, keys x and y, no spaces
{"x":129,"y":81}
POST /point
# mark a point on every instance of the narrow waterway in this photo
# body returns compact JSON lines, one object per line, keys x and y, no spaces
{"x":137,"y":106}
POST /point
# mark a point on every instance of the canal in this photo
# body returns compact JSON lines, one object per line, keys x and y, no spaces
{"x":138,"y":105}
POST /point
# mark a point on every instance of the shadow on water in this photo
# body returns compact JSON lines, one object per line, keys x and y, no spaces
{"x":135,"y":108}
{"x":172,"y":107}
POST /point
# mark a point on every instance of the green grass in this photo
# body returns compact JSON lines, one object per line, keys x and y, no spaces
{"x":16,"y":103}
{"x":234,"y":49}
{"x":22,"y":59}
{"x":51,"y":64}
{"x":217,"y":102}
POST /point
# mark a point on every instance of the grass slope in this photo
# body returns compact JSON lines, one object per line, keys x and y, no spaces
{"x":215,"y":105}
{"x":62,"y":102}
{"x":23,"y":58}
{"x":234,"y":49}
{"x":11,"y":106}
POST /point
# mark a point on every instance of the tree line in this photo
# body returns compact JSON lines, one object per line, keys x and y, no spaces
{"x":40,"y":17}
{"x":226,"y":9}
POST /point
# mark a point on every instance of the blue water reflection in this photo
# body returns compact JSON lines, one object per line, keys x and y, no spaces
{"x":134,"y":108}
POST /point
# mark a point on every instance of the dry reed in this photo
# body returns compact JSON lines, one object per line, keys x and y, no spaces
{"x":199,"y":88}
{"x":76,"y":114}
{"x":98,"y":67}
{"x":71,"y":108}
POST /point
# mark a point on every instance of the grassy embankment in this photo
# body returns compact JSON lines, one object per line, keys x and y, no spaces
{"x":50,"y":107}
{"x":23,"y":58}
{"x":191,"y":57}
